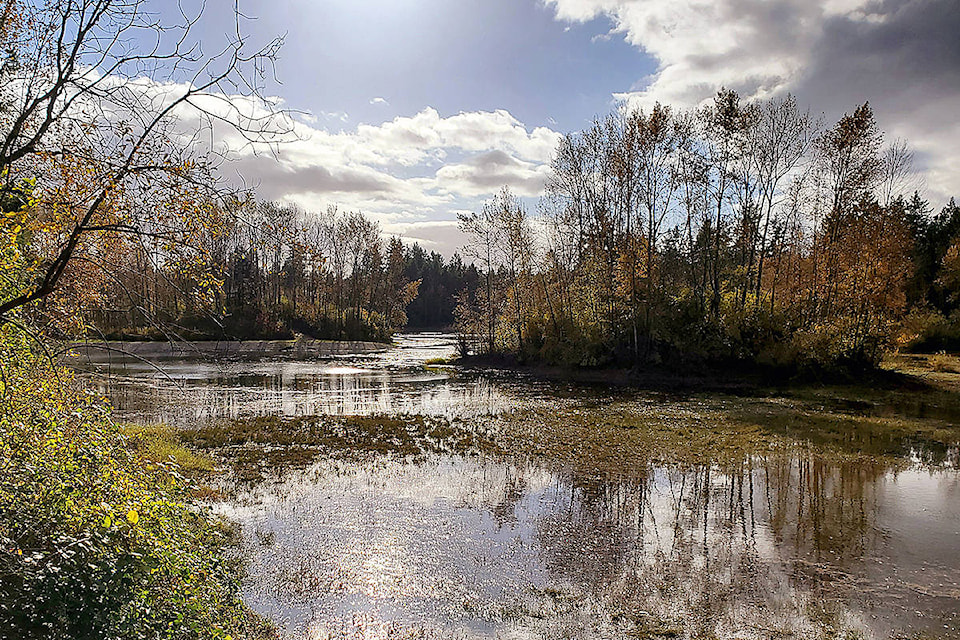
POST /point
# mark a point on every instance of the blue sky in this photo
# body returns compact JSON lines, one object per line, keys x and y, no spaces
{"x":453,"y":55}
{"x":415,"y":110}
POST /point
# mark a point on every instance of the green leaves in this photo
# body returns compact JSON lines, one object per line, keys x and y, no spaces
{"x":92,"y":545}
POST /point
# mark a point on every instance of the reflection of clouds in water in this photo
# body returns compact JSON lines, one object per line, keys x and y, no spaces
{"x":484,"y":547}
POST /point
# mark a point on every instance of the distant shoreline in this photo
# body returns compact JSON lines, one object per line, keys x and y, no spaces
{"x":731,"y":379}
{"x":105,"y":350}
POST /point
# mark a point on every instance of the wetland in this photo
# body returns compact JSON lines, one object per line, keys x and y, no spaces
{"x":378,"y":496}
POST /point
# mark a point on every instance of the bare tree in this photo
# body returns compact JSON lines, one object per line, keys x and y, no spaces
{"x":91,"y":95}
{"x":484,"y":232}
{"x":782,"y":137}
{"x":897,"y":172}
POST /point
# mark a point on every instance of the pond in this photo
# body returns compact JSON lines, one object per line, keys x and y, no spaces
{"x":827,"y":530}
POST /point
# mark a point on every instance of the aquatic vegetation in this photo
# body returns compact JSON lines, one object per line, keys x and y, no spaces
{"x":594,"y":511}
{"x":258,"y":444}
{"x":162,"y":444}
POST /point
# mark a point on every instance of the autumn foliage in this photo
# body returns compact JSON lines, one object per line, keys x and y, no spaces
{"x":738,"y":233}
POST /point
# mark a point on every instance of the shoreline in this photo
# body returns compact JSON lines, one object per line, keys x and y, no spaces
{"x":892,"y":374}
{"x":105,"y":350}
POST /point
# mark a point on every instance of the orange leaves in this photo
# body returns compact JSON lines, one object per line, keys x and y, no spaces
{"x":950,"y":270}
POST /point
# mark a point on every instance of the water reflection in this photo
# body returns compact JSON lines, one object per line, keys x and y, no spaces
{"x":488,"y":547}
{"x":851,"y":527}
{"x":393,"y":381}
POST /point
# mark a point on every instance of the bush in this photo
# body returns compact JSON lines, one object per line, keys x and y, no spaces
{"x":97,"y":541}
{"x":925,"y":331}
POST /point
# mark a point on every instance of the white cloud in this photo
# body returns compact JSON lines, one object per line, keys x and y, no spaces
{"x":755,"y":46}
{"x":409,"y":170}
{"x":488,"y":172}
{"x":412,"y":166}
{"x":442,"y":236}
{"x":835,"y":54}
{"x":379,"y":100}
{"x":413,"y":140}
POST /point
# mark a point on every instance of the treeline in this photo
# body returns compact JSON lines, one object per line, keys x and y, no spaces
{"x":271,"y":271}
{"x":733,"y":233}
{"x":265,"y":271}
{"x":440,"y":283}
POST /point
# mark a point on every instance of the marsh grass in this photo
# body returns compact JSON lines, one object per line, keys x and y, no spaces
{"x":943,"y":363}
{"x":161,"y":443}
{"x":253,"y":446}
{"x":599,"y":434}
{"x":596,"y":436}
{"x":627,"y":436}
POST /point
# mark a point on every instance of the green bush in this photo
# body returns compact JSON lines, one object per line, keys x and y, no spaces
{"x":97,"y":541}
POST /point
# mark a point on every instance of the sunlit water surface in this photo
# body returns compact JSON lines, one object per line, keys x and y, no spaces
{"x":485,"y":547}
{"x":448,"y":546}
{"x":389,"y":381}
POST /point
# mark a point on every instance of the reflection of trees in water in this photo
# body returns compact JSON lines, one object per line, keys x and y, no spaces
{"x":766,"y":544}
{"x":215,"y":394}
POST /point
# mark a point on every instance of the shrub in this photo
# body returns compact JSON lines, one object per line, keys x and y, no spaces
{"x":925,"y":331}
{"x":97,"y":541}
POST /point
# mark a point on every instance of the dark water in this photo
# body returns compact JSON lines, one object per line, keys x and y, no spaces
{"x":794,"y":543}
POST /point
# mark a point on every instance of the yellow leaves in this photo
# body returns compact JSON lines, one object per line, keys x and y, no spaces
{"x":107,"y":522}
{"x":133,"y":517}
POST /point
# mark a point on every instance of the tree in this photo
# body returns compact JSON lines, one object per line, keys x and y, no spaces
{"x":849,"y":157}
{"x":515,"y":248}
{"x":92,"y":90}
{"x":724,"y":128}
{"x":780,"y":139}
{"x":485,"y":236}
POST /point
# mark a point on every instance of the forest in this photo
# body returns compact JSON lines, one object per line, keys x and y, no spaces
{"x":273,"y":271}
{"x":740,"y":233}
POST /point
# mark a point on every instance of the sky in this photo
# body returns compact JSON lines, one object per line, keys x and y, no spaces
{"x":414,"y":110}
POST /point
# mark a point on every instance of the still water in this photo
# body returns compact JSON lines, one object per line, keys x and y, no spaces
{"x":797,"y":542}
{"x":393,"y":380}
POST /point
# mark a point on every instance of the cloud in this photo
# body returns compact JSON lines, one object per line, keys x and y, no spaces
{"x":408,"y":169}
{"x":414,"y":139}
{"x":488,"y":172}
{"x":379,"y":100}
{"x":442,"y":236}
{"x":901,"y":55}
